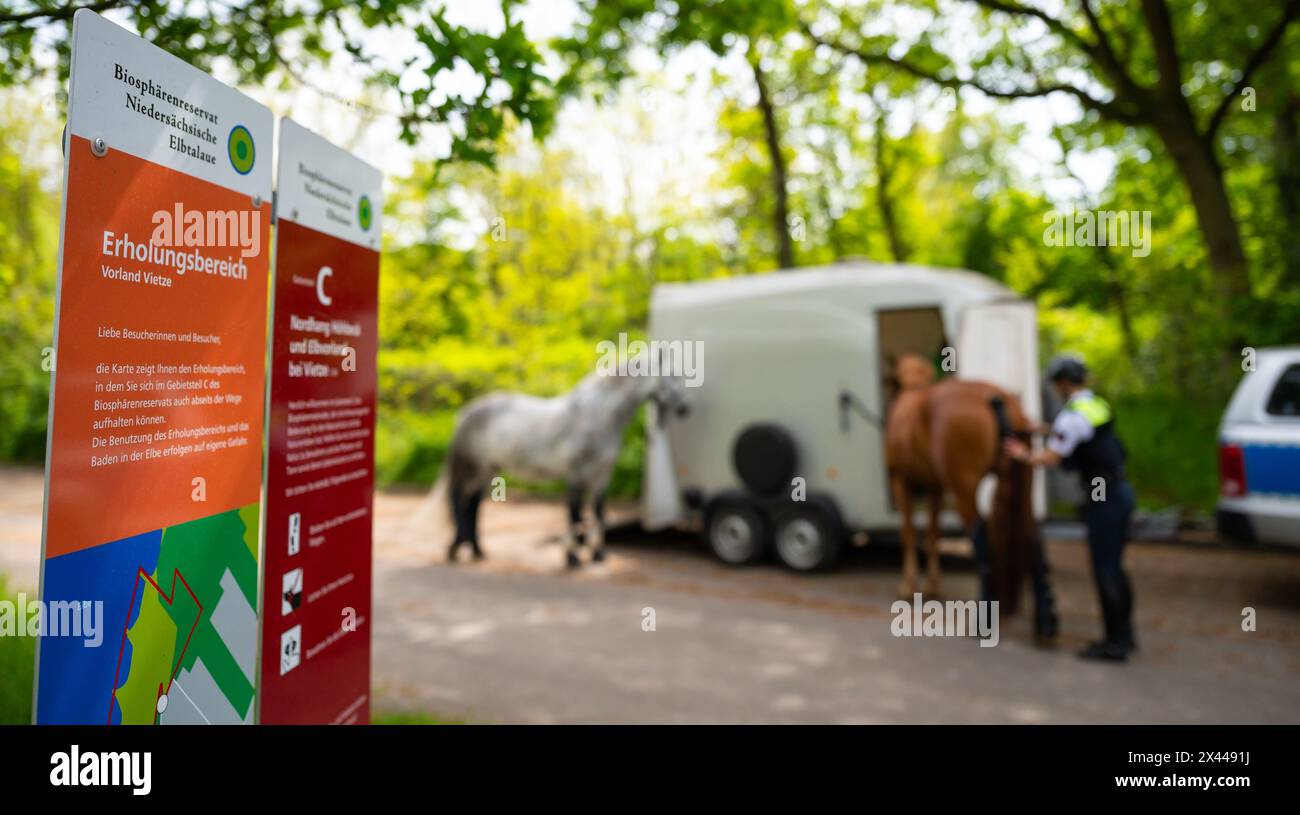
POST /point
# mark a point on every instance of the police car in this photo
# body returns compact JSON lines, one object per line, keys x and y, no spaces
{"x":1259,"y":452}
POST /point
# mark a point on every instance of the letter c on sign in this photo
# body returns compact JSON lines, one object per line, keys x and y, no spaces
{"x":325,"y":299}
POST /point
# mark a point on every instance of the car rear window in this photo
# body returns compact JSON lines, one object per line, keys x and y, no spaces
{"x":1285,"y":400}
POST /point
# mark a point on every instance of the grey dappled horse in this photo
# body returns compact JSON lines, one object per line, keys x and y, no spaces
{"x":574,"y":438}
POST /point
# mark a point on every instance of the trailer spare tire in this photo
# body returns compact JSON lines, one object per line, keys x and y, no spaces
{"x":764,"y":456}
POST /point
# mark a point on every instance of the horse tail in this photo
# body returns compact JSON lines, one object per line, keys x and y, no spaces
{"x":1011,"y":522}
{"x":432,"y":511}
{"x":456,"y":472}
{"x":441,"y":507}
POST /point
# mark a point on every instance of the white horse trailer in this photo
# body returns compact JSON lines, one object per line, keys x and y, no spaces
{"x":782,"y":445}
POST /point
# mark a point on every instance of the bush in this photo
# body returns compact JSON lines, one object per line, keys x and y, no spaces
{"x":1172,"y":450}
{"x":410,"y":449}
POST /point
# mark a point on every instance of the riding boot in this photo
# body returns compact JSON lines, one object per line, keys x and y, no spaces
{"x":1115,"y":647}
{"x":979,"y":539}
{"x":1045,"y":620}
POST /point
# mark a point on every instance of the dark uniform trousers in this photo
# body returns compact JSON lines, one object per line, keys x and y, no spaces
{"x":1107,"y":523}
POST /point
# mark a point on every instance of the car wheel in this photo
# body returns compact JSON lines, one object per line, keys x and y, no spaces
{"x":808,"y":538}
{"x":738,"y":533}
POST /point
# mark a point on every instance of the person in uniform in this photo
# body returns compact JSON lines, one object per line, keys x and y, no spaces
{"x":1083,"y":439}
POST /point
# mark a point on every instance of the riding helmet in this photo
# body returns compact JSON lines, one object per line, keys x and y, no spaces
{"x":1069,"y":368}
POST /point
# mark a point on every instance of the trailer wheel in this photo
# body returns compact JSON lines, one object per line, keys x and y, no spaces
{"x":809,"y":537}
{"x":738,"y":532}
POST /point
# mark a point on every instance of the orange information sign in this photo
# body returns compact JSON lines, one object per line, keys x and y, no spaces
{"x":154,"y":461}
{"x":158,"y":372}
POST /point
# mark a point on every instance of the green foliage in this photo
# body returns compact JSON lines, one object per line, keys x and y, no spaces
{"x":597,"y":53}
{"x":547,"y":276}
{"x":29,"y":231}
{"x":508,"y":279}
{"x":410,"y":446}
{"x":17,"y":672}
{"x":257,"y":37}
{"x":503,"y":61}
{"x":1172,"y":447}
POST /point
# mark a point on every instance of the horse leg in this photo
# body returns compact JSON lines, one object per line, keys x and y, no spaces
{"x":576,"y":532}
{"x":471,"y":522}
{"x":933,"y":572}
{"x":598,"y":507}
{"x":462,"y":485}
{"x":903,"y":501}
{"x":458,"y":518}
{"x":979,"y":538}
{"x":1045,"y":620}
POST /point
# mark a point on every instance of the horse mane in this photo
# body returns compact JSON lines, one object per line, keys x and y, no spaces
{"x":600,"y":380}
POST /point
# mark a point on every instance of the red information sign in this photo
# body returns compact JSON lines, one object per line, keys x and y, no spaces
{"x":320,"y":458}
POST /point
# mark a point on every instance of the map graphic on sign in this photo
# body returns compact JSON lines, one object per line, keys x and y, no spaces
{"x":182,"y":624}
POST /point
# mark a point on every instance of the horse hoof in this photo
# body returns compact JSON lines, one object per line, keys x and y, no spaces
{"x":478,"y":554}
{"x":906,"y":591}
{"x":571,"y":560}
{"x":598,"y":556}
{"x":1045,"y":632}
{"x":932,"y":591}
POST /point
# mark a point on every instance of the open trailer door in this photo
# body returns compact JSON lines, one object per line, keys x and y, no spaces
{"x":998,"y":343}
{"x":661,"y":501}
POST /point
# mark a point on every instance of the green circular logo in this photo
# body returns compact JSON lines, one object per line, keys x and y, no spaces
{"x":364,"y":212}
{"x":241,"y":150}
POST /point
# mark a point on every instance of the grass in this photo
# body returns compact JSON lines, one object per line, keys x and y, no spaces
{"x":17,"y":664}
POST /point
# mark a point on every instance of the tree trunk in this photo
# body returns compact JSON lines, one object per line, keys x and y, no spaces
{"x":1119,"y":299}
{"x":834,"y":235}
{"x":781,"y":210}
{"x":1199,"y":167}
{"x":897,"y":246}
{"x":1286,"y":137}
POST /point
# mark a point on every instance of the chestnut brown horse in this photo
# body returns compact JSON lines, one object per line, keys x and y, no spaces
{"x":943,"y":439}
